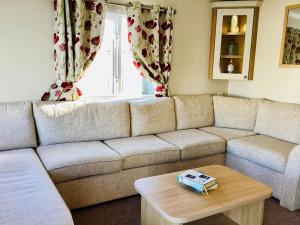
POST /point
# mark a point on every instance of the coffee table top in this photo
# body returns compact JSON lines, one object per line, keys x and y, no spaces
{"x":181,"y":205}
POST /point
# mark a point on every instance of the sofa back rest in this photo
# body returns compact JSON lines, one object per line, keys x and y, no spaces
{"x":194,"y":111}
{"x":152,"y":116}
{"x":17,"y":129}
{"x":238,"y":113}
{"x":279,"y":120}
{"x":81,"y":121}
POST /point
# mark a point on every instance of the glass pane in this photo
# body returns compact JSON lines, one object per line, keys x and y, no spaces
{"x":133,"y":83}
{"x":148,"y":87}
{"x":99,"y":78}
{"x":131,"y":78}
{"x":233,"y":43}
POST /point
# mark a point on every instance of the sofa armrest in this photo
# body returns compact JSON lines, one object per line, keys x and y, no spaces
{"x":290,"y":197}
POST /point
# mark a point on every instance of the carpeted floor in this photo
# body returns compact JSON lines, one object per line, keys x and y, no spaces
{"x":127,"y":212}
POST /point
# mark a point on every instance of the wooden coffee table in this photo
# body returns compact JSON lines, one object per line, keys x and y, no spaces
{"x":238,"y":200}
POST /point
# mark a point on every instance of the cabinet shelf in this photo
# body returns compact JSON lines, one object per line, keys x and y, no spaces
{"x":231,"y":56}
{"x":234,"y":34}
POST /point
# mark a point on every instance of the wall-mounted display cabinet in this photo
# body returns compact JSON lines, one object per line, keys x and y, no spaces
{"x":233,"y":40}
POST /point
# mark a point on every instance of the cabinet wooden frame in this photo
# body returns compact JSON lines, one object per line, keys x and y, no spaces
{"x":253,"y":41}
{"x":285,"y":23}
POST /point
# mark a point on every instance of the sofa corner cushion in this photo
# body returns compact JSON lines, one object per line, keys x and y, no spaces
{"x":62,"y":122}
{"x":238,"y":113}
{"x":279,"y":120}
{"x":194,"y":111}
{"x":152,"y":116}
{"x":144,"y":151}
{"x":17,"y":129}
{"x":228,"y":133}
{"x":194,"y":143}
{"x":27,"y":192}
{"x":263,"y":150}
{"x":76,"y":160}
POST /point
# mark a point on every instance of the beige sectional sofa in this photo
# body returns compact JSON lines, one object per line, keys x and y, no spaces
{"x":94,"y":151}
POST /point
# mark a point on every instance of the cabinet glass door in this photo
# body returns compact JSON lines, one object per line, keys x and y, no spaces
{"x":233,"y":43}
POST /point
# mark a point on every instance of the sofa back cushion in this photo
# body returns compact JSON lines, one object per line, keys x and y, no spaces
{"x":238,"y":113}
{"x":152,"y":116}
{"x":17,"y":128}
{"x":279,"y":120}
{"x":81,"y":121}
{"x":194,"y":111}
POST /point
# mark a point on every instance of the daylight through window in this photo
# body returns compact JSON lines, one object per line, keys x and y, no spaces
{"x":112,"y":73}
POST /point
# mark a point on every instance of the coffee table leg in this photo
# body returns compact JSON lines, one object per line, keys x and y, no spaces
{"x":251,"y":214}
{"x":149,"y":215}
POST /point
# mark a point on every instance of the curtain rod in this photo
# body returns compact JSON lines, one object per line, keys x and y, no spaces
{"x":163,"y":9}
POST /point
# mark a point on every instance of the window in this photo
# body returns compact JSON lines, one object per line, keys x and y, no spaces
{"x":112,"y":72}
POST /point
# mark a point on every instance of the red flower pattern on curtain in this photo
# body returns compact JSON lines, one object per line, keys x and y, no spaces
{"x":78,"y":31}
{"x":150,"y":37}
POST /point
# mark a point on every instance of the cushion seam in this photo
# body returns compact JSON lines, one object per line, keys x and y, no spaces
{"x":152,"y":153}
{"x":217,"y":142}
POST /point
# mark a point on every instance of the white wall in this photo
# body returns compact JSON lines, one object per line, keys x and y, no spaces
{"x":270,"y":81}
{"x":25,"y":49}
{"x":26,"y":62}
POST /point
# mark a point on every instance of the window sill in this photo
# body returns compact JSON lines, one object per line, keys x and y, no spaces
{"x":116,"y":98}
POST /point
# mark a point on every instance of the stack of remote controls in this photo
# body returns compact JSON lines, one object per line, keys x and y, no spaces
{"x":198,"y":181}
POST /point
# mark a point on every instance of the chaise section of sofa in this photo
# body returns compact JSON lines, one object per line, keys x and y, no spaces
{"x":27,"y":194}
{"x":271,"y":156}
{"x":264,"y":154}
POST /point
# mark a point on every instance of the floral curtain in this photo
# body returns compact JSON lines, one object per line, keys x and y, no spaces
{"x":150,"y":36}
{"x":78,"y":32}
{"x":292,"y":47}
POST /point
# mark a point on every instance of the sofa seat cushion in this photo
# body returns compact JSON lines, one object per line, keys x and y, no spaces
{"x":263,"y":150}
{"x":194,"y":111}
{"x":27,"y":194}
{"x":194,"y":143}
{"x":144,"y":151}
{"x":228,"y":133}
{"x":75,"y":160}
